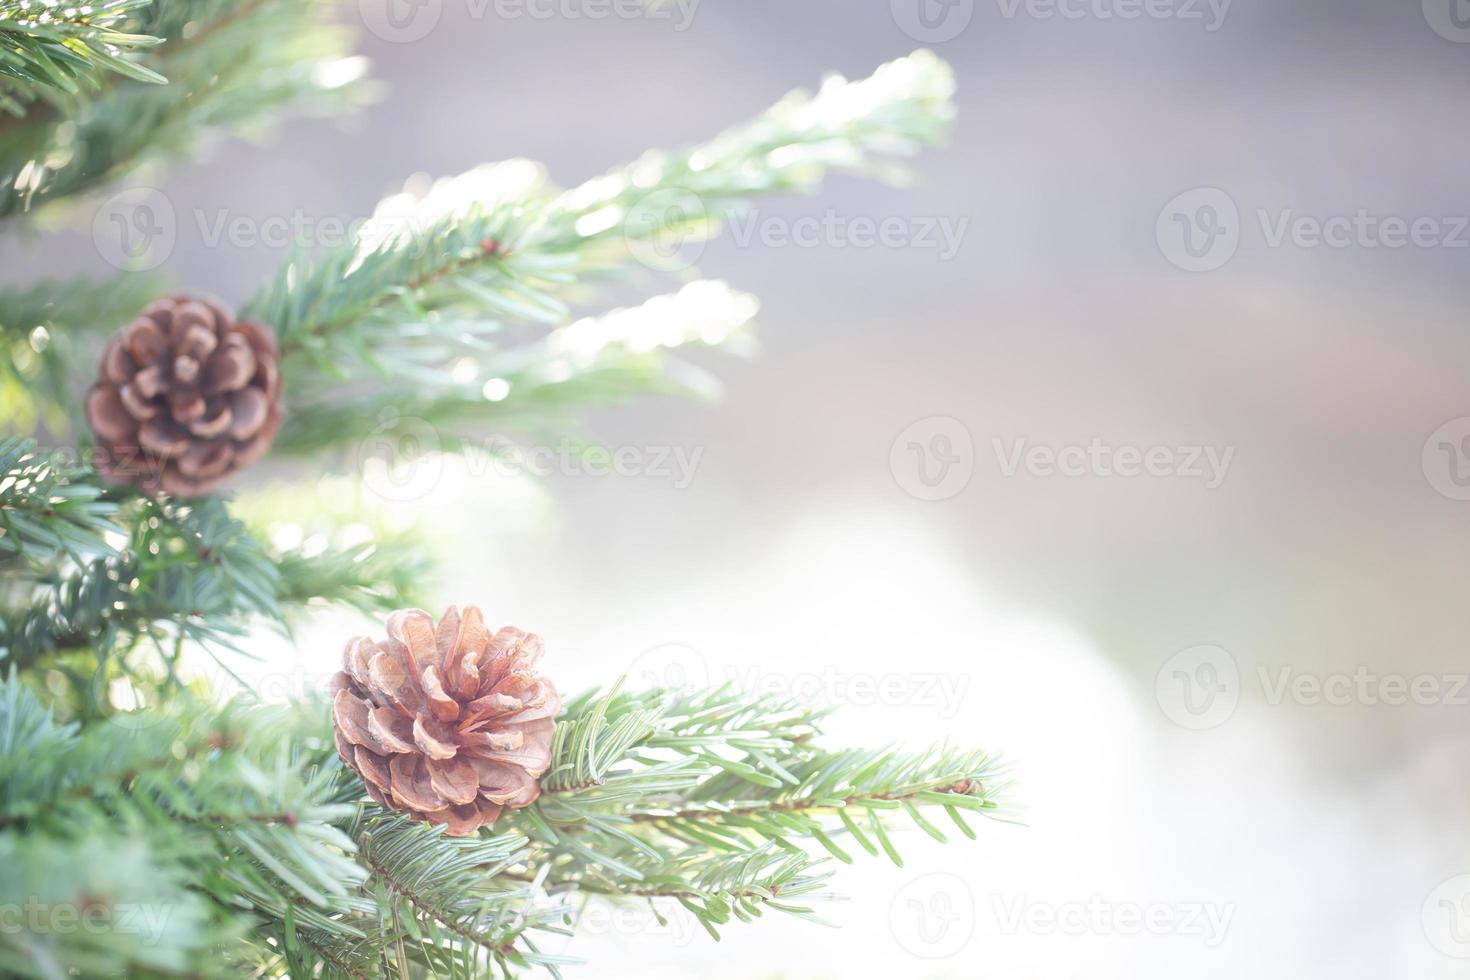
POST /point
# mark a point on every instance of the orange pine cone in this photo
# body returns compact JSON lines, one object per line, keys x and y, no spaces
{"x":450,"y":725}
{"x":185,"y":397}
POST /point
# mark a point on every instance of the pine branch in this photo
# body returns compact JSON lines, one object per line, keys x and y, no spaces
{"x":380,"y":574}
{"x":229,"y":810}
{"x":216,"y":566}
{"x":647,"y":793}
{"x":500,"y":241}
{"x":107,"y":569}
{"x":238,"y":65}
{"x":461,"y":891}
{"x":653,"y":795}
{"x":608,"y":746}
{"x":857,"y":787}
{"x":529,"y":387}
{"x":186,"y":570}
{"x":453,"y":307}
{"x":300,"y":952}
{"x":46,"y":48}
{"x":47,"y":509}
{"x":103,"y":609}
{"x":99,"y":906}
{"x":439,"y":277}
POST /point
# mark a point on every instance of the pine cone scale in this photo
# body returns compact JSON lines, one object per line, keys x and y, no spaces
{"x":440,"y":744}
{"x":391,"y":729}
{"x":414,"y":630}
{"x":454,"y":779}
{"x":425,"y":717}
{"x":388,"y":674}
{"x":374,"y":767}
{"x":443,"y":707}
{"x":410,"y":784}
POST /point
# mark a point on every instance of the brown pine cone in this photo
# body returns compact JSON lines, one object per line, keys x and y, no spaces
{"x":184,"y":398}
{"x":448,"y":725}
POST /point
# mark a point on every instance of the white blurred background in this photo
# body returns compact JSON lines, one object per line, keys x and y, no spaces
{"x":1233,"y":701}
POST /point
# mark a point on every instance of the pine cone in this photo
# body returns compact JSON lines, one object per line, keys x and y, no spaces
{"x":184,"y":398}
{"x":448,"y":725}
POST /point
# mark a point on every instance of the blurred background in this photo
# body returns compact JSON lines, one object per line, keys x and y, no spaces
{"x":1137,"y":451}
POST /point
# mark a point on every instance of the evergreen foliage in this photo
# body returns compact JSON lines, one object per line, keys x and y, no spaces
{"x":253,"y":845}
{"x":230,"y":64}
{"x":153,"y":826}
